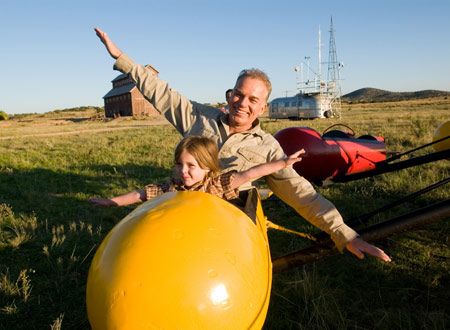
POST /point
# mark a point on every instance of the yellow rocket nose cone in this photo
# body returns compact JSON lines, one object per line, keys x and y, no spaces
{"x":184,"y":260}
{"x":441,"y":132}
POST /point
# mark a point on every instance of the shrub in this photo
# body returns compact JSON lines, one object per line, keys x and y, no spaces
{"x":3,"y":115}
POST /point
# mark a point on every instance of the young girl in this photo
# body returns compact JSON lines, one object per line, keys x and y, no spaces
{"x":197,"y":169}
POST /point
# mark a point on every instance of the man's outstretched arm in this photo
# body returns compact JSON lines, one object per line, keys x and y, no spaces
{"x":112,"y":49}
{"x":256,"y":172}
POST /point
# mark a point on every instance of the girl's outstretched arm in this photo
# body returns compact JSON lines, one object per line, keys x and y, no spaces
{"x":259,"y":171}
{"x":122,"y":200}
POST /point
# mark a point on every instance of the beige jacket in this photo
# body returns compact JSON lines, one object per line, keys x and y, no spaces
{"x":239,"y":151}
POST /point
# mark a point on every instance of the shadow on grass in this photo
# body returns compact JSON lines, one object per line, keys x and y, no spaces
{"x":48,"y":236}
{"x":71,"y":119}
{"x":337,"y":292}
{"x":56,"y":196}
{"x":341,"y":292}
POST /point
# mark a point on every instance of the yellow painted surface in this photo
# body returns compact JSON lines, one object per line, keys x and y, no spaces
{"x":185,"y":260}
{"x":442,"y":131}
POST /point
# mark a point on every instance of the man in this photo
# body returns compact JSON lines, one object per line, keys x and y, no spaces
{"x":227,"y":98}
{"x":242,"y":143}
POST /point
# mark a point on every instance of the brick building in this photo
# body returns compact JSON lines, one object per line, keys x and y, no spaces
{"x":124,"y":99}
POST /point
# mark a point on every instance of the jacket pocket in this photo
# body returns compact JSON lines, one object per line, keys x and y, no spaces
{"x":254,"y":155}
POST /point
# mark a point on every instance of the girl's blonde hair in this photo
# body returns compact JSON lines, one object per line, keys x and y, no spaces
{"x":203,"y":149}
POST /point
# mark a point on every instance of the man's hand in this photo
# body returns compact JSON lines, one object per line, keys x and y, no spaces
{"x":358,"y":247}
{"x":110,"y":46}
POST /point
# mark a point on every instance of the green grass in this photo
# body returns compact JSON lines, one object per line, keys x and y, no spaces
{"x":49,"y":233}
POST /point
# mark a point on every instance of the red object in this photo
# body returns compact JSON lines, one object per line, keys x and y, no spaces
{"x":332,"y":155}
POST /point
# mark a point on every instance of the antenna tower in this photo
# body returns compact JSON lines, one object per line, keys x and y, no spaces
{"x":333,"y":86}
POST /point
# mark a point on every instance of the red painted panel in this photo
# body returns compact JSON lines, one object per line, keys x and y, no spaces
{"x":331,"y":156}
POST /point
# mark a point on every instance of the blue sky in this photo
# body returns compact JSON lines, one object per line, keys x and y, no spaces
{"x":51,"y":59}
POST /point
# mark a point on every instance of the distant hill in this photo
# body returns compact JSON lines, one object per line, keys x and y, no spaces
{"x":369,"y":95}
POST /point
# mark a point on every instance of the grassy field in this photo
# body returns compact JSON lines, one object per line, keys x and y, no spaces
{"x":50,"y":164}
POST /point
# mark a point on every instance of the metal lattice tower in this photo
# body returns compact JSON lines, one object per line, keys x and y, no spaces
{"x":333,"y":85}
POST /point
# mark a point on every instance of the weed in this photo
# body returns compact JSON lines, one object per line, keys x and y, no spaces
{"x":57,"y":324}
{"x":19,"y":288}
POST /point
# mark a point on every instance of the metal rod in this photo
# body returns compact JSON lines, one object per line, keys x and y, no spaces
{"x":363,"y":217}
{"x":415,"y":149}
{"x":322,"y":236}
{"x":426,"y":215}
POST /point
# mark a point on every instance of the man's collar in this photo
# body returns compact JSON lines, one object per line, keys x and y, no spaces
{"x":256,"y":127}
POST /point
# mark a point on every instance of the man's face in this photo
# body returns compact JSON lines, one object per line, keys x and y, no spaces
{"x":247,"y":102}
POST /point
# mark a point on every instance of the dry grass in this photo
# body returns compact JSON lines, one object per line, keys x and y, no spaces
{"x":50,"y":164}
{"x":66,"y":123}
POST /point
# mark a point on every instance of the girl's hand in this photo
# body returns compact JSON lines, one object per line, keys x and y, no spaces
{"x":294,"y":158}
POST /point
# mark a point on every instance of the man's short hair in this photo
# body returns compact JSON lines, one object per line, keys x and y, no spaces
{"x":256,"y":74}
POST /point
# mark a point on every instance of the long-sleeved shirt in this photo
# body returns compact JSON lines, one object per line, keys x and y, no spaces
{"x":219,"y":186}
{"x":239,"y":151}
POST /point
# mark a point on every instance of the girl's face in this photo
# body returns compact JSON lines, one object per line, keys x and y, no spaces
{"x":188,"y":169}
